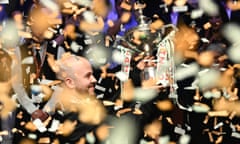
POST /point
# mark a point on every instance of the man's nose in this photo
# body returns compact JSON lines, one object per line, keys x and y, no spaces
{"x":93,"y":79}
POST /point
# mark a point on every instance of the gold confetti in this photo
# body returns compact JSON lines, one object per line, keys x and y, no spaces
{"x":66,"y":128}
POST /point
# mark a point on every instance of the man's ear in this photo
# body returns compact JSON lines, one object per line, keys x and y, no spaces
{"x":70,"y":83}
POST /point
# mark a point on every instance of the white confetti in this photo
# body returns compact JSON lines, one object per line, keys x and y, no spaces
{"x":88,"y":41}
{"x":9,"y":35}
{"x":28,"y":60}
{"x":209,"y":79}
{"x":187,"y":71}
{"x":180,"y":8}
{"x":209,"y":7}
{"x":124,"y":131}
{"x":233,"y":53}
{"x":216,"y":94}
{"x":75,"y":47}
{"x":218,"y":125}
{"x":196,"y":13}
{"x":89,"y":16}
{"x":4,"y":2}
{"x":209,"y":94}
{"x":98,"y":87}
{"x":117,"y":107}
{"x":164,"y":139}
{"x":54,"y":126}
{"x":32,"y":136}
{"x":87,"y":3}
{"x":204,"y":40}
{"x":231,"y":32}
{"x":179,"y":130}
{"x":37,"y":98}
{"x":184,"y":139}
{"x":200,"y":108}
{"x":121,"y":76}
{"x":40,"y":126}
{"x":60,"y":112}
{"x":90,"y":138}
{"x":117,"y":57}
{"x":235,"y":134}
{"x":142,"y":141}
{"x":100,"y":96}
{"x":45,"y":81}
{"x":97,"y":55}
{"x":144,"y":95}
{"x":50,"y":4}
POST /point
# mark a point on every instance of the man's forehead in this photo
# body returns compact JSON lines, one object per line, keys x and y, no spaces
{"x":72,"y":59}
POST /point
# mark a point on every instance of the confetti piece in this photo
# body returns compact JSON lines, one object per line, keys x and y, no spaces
{"x":180,"y":8}
{"x":209,"y":79}
{"x":90,"y":138}
{"x":89,"y":16}
{"x":209,"y":7}
{"x":127,"y":93}
{"x":235,"y":134}
{"x":233,"y":53}
{"x":32,"y":136}
{"x":9,"y":35}
{"x":28,"y":60}
{"x":222,"y":113}
{"x":165,"y":105}
{"x":144,"y":95}
{"x":54,"y":126}
{"x":117,"y":57}
{"x":50,"y":4}
{"x":218,"y":125}
{"x":164,"y":139}
{"x":184,"y":139}
{"x":101,"y":88}
{"x":142,"y":141}
{"x":117,"y":107}
{"x":40,"y":126}
{"x":108,"y":103}
{"x":190,"y":70}
{"x":196,"y":13}
{"x":208,"y":94}
{"x":44,"y":140}
{"x":91,"y":110}
{"x":200,"y":108}
{"x":97,"y":55}
{"x":28,"y":70}
{"x":4,"y":133}
{"x":7,"y":104}
{"x":100,"y":96}
{"x":205,"y":40}
{"x":122,"y":76}
{"x":231,"y":32}
{"x":86,"y":3}
{"x":75,"y":47}
{"x":179,"y":130}
{"x":4,"y":2}
{"x":124,"y":131}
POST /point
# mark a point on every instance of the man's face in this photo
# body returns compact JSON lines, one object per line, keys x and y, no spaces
{"x":84,"y":79}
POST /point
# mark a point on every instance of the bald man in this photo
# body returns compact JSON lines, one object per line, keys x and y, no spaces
{"x":77,"y":78}
{"x":74,"y":98}
{"x":77,"y":74}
